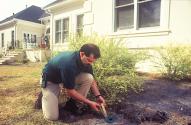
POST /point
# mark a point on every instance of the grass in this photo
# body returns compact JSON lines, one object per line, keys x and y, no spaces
{"x":19,"y":86}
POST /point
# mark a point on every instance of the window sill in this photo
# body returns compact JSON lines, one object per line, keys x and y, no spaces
{"x":140,"y":33}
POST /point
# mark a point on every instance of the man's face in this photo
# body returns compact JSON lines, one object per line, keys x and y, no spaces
{"x":87,"y":59}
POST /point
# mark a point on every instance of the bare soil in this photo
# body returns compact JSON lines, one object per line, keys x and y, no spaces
{"x":162,"y":102}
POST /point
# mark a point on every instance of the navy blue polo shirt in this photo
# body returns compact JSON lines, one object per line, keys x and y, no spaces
{"x":64,"y":67}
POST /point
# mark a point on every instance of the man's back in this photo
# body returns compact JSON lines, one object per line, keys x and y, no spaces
{"x":58,"y":64}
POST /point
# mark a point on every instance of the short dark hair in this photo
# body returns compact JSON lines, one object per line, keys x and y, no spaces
{"x":90,"y":48}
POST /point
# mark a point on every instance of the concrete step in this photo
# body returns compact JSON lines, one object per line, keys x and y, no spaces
{"x":14,"y":53}
{"x":9,"y":57}
{"x":6,"y":57}
{"x":2,"y":61}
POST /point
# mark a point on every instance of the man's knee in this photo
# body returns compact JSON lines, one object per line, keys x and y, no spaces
{"x":84,"y":78}
{"x":89,"y":77}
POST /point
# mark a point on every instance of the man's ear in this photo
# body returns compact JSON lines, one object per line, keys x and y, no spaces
{"x":81,"y":54}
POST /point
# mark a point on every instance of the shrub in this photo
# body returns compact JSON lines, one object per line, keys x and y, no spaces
{"x":174,"y":62}
{"x":1,"y":55}
{"x":55,"y":53}
{"x":115,"y":70}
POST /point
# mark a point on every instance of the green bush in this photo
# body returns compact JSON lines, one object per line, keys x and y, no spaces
{"x":115,"y":70}
{"x":174,"y":62}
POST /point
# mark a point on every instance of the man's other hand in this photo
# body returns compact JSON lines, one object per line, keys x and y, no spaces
{"x":94,"y":105}
{"x":101,"y":100}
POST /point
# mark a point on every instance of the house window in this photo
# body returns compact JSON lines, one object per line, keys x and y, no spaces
{"x":124,"y":14}
{"x":149,"y":13}
{"x":25,"y":37}
{"x":28,"y":38}
{"x":58,"y":31}
{"x":137,"y":13}
{"x":33,"y":38}
{"x":12,"y":36}
{"x":2,"y":39}
{"x":79,"y":25}
{"x":65,"y":31}
{"x":62,"y":30}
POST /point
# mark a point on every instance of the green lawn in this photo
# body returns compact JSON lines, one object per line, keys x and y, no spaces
{"x":19,"y":86}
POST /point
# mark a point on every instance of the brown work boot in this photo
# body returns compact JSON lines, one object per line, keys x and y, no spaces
{"x":38,"y":102}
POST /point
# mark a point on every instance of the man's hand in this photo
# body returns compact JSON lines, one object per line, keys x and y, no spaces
{"x":100,"y":100}
{"x":94,"y":105}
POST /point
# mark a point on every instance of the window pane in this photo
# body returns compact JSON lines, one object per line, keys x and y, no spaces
{"x":35,"y":38}
{"x":12,"y":35}
{"x":2,"y":39}
{"x":65,"y":31}
{"x":65,"y":36}
{"x":125,"y":17}
{"x":65,"y":24}
{"x":58,"y":31}
{"x":79,"y":20}
{"x":123,"y":2}
{"x":149,"y":13}
{"x":79,"y":28}
{"x":58,"y":25}
{"x":58,"y":37}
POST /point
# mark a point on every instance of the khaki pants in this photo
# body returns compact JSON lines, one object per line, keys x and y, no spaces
{"x":51,"y":93}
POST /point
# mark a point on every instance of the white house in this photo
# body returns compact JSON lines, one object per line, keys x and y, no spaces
{"x":23,"y":29}
{"x":142,"y":23}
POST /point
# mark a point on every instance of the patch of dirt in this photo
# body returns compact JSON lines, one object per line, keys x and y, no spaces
{"x":164,"y":95}
{"x":162,"y":102}
{"x":173,"y":98}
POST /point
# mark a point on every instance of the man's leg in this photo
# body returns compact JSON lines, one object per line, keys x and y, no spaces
{"x":50,"y":101}
{"x":83,"y":83}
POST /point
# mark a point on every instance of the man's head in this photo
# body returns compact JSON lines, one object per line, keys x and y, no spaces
{"x":89,"y":53}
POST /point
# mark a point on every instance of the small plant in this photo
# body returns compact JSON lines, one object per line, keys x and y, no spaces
{"x":1,"y":55}
{"x":174,"y":62}
{"x":115,"y":70}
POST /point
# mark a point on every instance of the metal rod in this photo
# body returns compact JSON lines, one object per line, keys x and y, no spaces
{"x":103,"y":110}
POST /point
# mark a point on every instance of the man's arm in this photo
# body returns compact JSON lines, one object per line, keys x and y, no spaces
{"x":96,"y":92}
{"x":95,"y":89}
{"x":74,"y":94}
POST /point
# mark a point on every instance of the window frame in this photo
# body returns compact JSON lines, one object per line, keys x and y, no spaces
{"x":61,"y":31}
{"x":136,"y":16}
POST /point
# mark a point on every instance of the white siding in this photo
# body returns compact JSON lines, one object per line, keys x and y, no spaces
{"x":70,"y":12}
{"x":175,"y":26}
{"x":180,"y":21}
{"x":7,"y":36}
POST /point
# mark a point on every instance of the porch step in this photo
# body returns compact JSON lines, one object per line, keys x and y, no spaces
{"x":9,"y":57}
